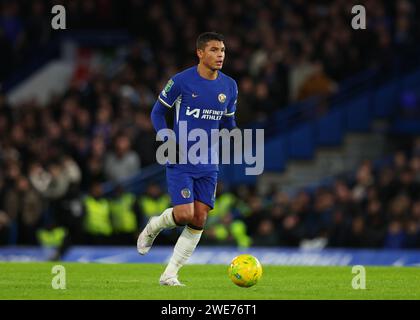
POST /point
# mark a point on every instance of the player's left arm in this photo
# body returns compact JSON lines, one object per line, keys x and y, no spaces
{"x":228,"y":119}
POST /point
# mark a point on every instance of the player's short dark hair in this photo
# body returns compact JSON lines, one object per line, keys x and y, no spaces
{"x":206,"y":37}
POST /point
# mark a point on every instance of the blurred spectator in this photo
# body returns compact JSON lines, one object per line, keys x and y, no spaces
{"x":228,"y":231}
{"x":4,"y":228}
{"x":316,"y":84}
{"x":24,"y":206}
{"x":144,"y":139}
{"x":225,"y":224}
{"x":153,"y":202}
{"x":263,"y":101}
{"x":225,"y":203}
{"x":357,"y":237}
{"x":100,"y":129}
{"x":387,"y":185}
{"x":258,"y":213}
{"x":375,"y":223}
{"x":60,"y":176}
{"x":344,"y":199}
{"x":266,"y":235}
{"x":123,"y":208}
{"x":94,"y":169}
{"x":400,"y":162}
{"x":412,"y":239}
{"x":123,"y":162}
{"x":339,"y":229}
{"x":407,"y":184}
{"x":364,"y":179}
{"x":291,"y":232}
{"x":395,"y":237}
{"x":97,"y":216}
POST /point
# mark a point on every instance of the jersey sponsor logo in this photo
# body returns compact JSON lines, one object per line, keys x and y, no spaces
{"x":168,"y":86}
{"x":210,"y":114}
{"x":222,"y":98}
{"x":195,"y":112}
{"x":205,"y":114}
{"x":186,"y":193}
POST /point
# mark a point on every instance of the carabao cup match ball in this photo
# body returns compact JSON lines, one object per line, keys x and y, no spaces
{"x":245,"y":270}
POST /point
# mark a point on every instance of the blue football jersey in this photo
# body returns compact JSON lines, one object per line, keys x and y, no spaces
{"x":199,"y":103}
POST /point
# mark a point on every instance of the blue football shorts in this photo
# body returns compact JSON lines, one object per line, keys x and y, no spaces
{"x":185,"y":187}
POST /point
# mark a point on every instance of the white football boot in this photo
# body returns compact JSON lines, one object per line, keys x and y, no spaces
{"x":146,"y":238}
{"x":171,"y":281}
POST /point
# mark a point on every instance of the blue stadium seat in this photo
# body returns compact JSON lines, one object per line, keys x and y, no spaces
{"x":411,"y":81}
{"x":301,"y":142}
{"x":330,"y":128}
{"x":358,"y":115}
{"x":275,"y":153}
{"x":385,"y":100}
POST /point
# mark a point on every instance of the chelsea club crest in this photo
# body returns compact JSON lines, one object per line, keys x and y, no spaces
{"x":186,"y":193}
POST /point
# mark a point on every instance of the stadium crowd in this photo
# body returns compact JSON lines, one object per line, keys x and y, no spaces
{"x":278,"y":51}
{"x":377,"y":207}
{"x":100,"y":129}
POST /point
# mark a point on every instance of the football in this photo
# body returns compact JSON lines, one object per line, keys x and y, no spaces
{"x":245,"y":270}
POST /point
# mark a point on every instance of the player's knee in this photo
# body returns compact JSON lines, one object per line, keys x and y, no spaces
{"x":184,"y":216}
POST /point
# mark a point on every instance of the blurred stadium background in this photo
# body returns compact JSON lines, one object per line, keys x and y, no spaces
{"x":340,"y":109}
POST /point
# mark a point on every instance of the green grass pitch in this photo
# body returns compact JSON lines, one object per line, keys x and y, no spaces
{"x":140,"y":281}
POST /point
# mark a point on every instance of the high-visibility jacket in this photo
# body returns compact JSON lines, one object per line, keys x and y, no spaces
{"x":223,"y":204}
{"x":123,"y":217}
{"x":51,"y":238}
{"x":237,"y":229}
{"x":152,"y":207}
{"x":97,"y":220}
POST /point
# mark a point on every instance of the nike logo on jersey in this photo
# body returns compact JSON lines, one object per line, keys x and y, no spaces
{"x":194,"y":95}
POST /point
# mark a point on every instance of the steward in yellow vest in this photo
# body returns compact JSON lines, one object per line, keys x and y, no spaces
{"x":51,"y":237}
{"x":123,"y":216}
{"x":153,"y":202}
{"x":97,"y":220}
{"x":222,"y":227}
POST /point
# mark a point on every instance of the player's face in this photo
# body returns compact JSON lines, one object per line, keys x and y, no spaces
{"x":213,"y":55}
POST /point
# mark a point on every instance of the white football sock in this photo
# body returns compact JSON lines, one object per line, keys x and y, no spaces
{"x":183,"y":250}
{"x":164,"y":221}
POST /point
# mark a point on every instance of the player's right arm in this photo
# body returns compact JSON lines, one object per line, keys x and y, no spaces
{"x":165,"y":102}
